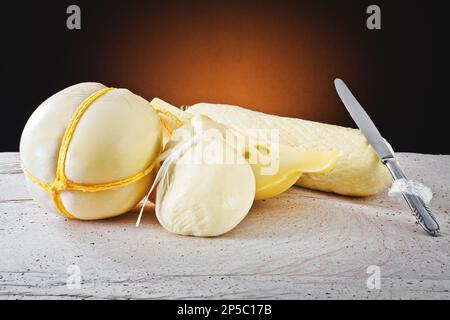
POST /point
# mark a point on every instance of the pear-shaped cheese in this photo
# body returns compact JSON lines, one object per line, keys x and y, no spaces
{"x":117,"y":137}
{"x":203,"y":194}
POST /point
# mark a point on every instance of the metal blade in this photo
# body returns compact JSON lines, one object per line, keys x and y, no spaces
{"x":363,"y":121}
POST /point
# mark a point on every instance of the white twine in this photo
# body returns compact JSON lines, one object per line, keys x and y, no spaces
{"x":169,"y":158}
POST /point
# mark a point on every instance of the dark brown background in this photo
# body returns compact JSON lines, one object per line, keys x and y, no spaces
{"x":278,"y":57}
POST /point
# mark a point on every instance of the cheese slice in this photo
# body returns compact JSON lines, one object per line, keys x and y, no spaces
{"x":290,"y":164}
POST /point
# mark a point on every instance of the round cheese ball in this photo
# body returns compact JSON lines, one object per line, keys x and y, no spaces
{"x":118,"y":136}
{"x":207,"y":197}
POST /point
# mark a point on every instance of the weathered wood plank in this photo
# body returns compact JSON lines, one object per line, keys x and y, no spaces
{"x":303,"y":244}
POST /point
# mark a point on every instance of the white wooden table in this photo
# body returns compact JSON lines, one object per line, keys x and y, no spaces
{"x":303,"y":244}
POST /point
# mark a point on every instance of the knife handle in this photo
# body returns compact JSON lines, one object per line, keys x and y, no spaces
{"x":419,"y":209}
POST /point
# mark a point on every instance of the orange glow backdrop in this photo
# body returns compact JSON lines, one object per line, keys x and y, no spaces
{"x":275,"y":56}
{"x":276,"y":59}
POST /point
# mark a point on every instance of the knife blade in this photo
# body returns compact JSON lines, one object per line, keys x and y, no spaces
{"x":419,"y":209}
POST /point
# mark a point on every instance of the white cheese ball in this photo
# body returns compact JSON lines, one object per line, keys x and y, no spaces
{"x":118,"y":136}
{"x":205,"y":199}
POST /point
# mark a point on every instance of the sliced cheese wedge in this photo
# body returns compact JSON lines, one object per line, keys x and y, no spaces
{"x":292,"y":163}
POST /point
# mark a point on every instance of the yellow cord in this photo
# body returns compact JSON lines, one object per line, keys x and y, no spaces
{"x":62,"y":183}
{"x":166,"y":126}
{"x":175,"y":119}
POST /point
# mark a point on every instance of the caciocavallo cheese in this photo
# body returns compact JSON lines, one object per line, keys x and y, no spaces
{"x":201,"y":194}
{"x":89,"y":152}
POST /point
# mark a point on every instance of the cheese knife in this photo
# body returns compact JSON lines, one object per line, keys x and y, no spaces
{"x":418,"y":208}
